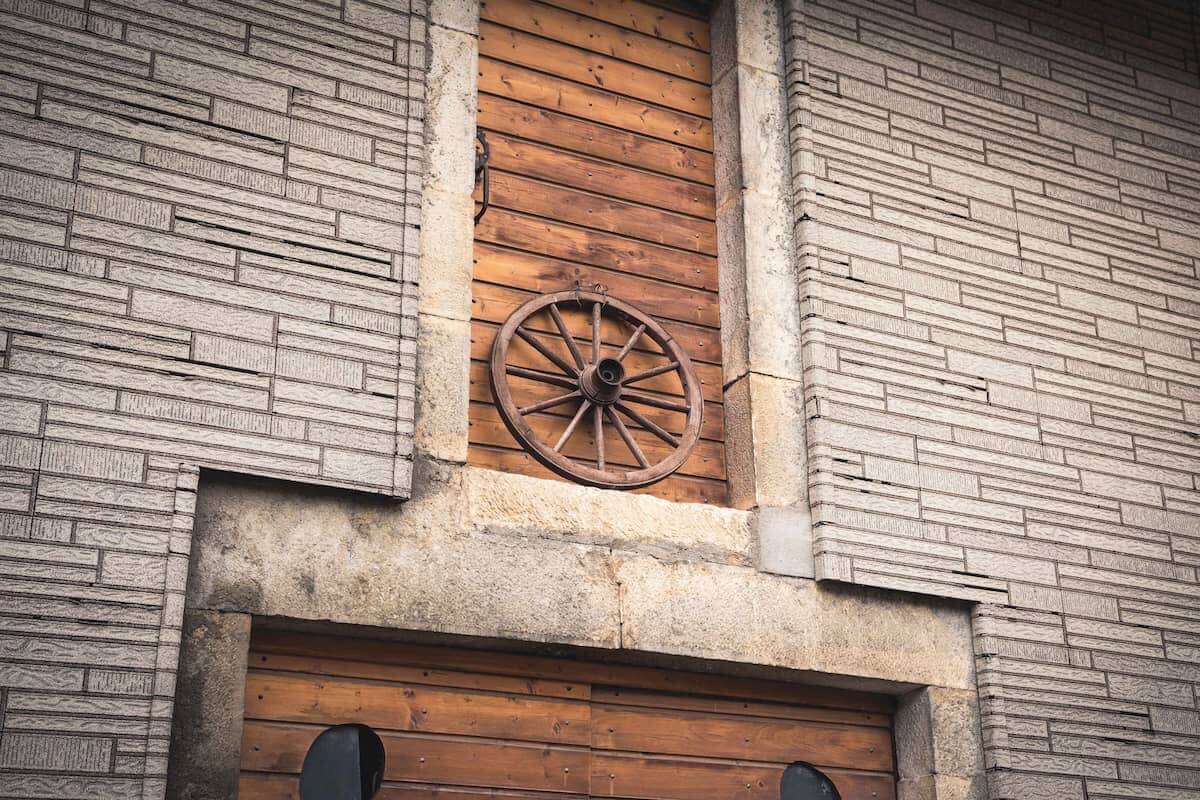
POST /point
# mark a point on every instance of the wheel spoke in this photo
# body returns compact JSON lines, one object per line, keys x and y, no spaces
{"x":551,"y":403}
{"x":649,"y":425}
{"x":598,"y":424}
{"x":562,"y":440}
{"x":647,"y":400}
{"x":547,"y":352}
{"x":595,"y":332}
{"x":650,"y":373}
{"x":566,"y":335}
{"x":541,"y":377}
{"x":637,"y":334}
{"x":627,"y":437}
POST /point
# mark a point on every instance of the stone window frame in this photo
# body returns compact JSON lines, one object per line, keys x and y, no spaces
{"x":760,"y":338}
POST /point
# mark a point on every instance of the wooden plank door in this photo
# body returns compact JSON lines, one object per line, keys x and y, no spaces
{"x":463,"y":724}
{"x":599,"y":116}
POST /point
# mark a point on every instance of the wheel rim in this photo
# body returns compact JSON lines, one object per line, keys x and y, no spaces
{"x":597,"y":387}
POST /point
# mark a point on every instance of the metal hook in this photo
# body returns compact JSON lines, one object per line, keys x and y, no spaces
{"x":482,"y":172}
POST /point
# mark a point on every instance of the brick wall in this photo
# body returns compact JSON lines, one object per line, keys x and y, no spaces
{"x":207,"y":257}
{"x":999,"y":221}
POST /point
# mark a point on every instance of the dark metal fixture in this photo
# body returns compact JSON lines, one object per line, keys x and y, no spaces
{"x":344,"y":762}
{"x":482,"y":174}
{"x":805,"y":782}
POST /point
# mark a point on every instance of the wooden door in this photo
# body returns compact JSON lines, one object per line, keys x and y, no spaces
{"x":599,"y":116}
{"x":461,"y":724}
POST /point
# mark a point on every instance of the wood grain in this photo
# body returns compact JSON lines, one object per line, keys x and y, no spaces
{"x":592,"y":69}
{"x":477,"y":725}
{"x":598,"y":116}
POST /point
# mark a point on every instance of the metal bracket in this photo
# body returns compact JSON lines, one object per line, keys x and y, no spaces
{"x":481,"y":174}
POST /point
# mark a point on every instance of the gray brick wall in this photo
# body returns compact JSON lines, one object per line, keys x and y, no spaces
{"x":999,"y":221}
{"x":208,"y":217}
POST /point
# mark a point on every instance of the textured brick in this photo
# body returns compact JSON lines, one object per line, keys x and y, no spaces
{"x":1084,"y":520}
{"x":66,"y":753}
{"x":151,"y":254}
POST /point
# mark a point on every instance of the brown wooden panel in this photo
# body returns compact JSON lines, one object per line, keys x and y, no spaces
{"x":494,"y":302}
{"x":599,"y":120}
{"x":612,"y":695}
{"x":670,"y":682}
{"x":689,"y":733}
{"x":273,"y":786}
{"x":588,"y":33}
{"x":677,"y":488}
{"x":280,"y":747}
{"x":638,"y":16}
{"x":601,"y":177}
{"x":596,"y":248}
{"x":624,"y":145}
{"x":592,"y":69}
{"x":544,"y":199}
{"x":412,"y":707}
{"x":565,"y":97}
{"x":636,"y":776}
{"x":644,"y":744}
{"x":334,"y":666}
{"x":515,"y":82}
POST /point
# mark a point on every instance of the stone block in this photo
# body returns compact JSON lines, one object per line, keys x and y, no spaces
{"x":443,"y":388}
{"x":739,"y":614}
{"x":785,"y":545}
{"x":206,"y":733}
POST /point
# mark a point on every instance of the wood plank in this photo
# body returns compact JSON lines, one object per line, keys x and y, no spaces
{"x":712,"y":426}
{"x":593,"y":69}
{"x":521,"y":354}
{"x":598,"y":212}
{"x":635,"y":776}
{"x":698,"y":734}
{"x":280,"y":747}
{"x":677,"y":488}
{"x":707,"y":459}
{"x":268,"y":786}
{"x":597,"y":36}
{"x":535,"y":274}
{"x":340,"y":666}
{"x":265,"y":640}
{"x":638,"y":16}
{"x":590,"y":138}
{"x":612,"y":695}
{"x":601,"y":177}
{"x":411,"y":707}
{"x":514,"y":82}
{"x":265,"y":786}
{"x":699,"y":10}
{"x":595,"y":248}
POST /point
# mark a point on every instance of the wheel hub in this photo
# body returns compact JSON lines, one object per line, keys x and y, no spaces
{"x":601,"y":382}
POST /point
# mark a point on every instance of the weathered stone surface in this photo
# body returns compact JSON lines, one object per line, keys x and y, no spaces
{"x":443,"y":388}
{"x":515,"y":504}
{"x":784,"y":541}
{"x":412,"y":567}
{"x":206,"y":732}
{"x":738,"y":614}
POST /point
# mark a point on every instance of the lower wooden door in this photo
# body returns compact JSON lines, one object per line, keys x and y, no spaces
{"x":464,"y":724}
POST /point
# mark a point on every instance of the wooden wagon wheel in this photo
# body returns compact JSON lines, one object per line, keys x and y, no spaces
{"x":597,"y":387}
